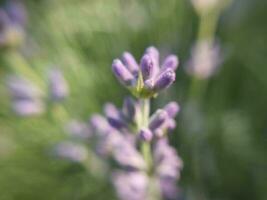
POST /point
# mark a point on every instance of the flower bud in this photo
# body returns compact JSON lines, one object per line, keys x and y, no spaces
{"x":114,"y":116}
{"x":158,"y":119}
{"x":171,"y":62}
{"x":145,"y":134}
{"x":122,"y":73}
{"x":147,"y":67}
{"x":172,"y":109}
{"x":164,"y":80}
{"x":154,"y":53}
{"x":130,"y":63}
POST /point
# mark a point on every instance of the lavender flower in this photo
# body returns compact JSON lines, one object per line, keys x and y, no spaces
{"x":144,"y":165}
{"x":205,"y":58}
{"x":58,"y":87}
{"x":26,"y":107}
{"x":78,"y":130}
{"x":149,"y":78}
{"x":26,"y":97}
{"x":130,"y":185}
{"x":12,"y":24}
{"x":168,"y":167}
{"x":71,"y":151}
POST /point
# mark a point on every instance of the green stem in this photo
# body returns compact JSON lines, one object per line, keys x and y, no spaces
{"x":145,"y":146}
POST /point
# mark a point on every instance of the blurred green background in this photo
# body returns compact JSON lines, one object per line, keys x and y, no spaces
{"x":225,"y":161}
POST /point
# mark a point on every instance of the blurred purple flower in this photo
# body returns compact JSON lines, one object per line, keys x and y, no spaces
{"x":26,"y":97}
{"x":27,"y":107}
{"x":58,"y":86}
{"x":130,"y":185}
{"x":71,"y":151}
{"x":78,"y":130}
{"x":145,"y":134}
{"x":158,"y":119}
{"x":205,"y":59}
{"x":168,"y":166}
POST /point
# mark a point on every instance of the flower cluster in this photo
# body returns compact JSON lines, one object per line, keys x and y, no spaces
{"x":28,"y":99}
{"x":136,"y":141}
{"x":13,"y":19}
{"x":119,"y":139}
{"x":148,"y":78}
{"x":132,"y":142}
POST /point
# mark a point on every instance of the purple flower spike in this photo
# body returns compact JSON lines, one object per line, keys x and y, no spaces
{"x":172,"y":109}
{"x":147,"y":67}
{"x":171,"y":124}
{"x":122,"y":73}
{"x":146,"y":134}
{"x":171,"y":62}
{"x":130,"y":63}
{"x":158,"y":119}
{"x":164,"y":80}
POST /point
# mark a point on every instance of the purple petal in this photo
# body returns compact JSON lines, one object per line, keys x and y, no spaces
{"x":130,"y":63}
{"x":147,"y":67}
{"x":114,"y":116}
{"x":122,"y":73}
{"x":146,"y":134}
{"x":158,"y":119}
{"x":130,"y":185}
{"x":170,"y":62}
{"x":99,"y":124}
{"x":164,"y":80}
{"x":172,"y":109}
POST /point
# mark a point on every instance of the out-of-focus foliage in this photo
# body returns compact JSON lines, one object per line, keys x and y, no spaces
{"x":227,"y":160}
